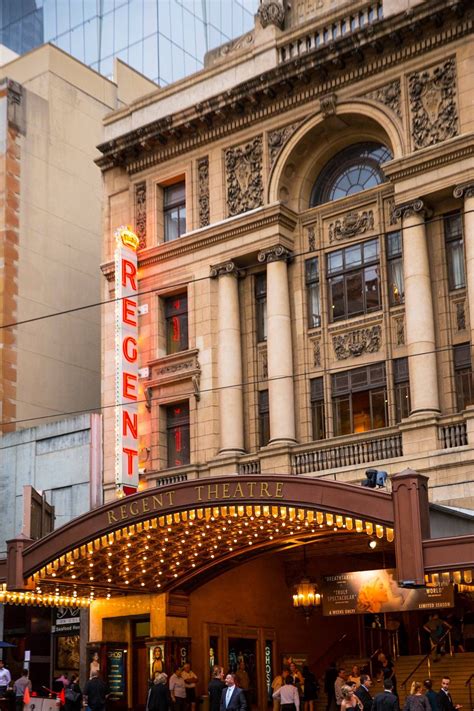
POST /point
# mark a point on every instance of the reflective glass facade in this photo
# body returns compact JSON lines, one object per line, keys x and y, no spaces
{"x":163,"y":39}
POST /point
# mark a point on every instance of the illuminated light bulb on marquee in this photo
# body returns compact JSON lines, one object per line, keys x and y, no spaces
{"x":126,"y":361}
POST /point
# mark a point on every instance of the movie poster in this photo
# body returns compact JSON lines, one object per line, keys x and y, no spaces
{"x":377,"y":591}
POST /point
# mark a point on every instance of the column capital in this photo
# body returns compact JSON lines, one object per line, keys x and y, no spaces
{"x":223,"y":268}
{"x":465,"y":190}
{"x":277,"y":253}
{"x":410,"y":208}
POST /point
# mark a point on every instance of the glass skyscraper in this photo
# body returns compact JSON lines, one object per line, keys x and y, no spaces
{"x":164,"y":39}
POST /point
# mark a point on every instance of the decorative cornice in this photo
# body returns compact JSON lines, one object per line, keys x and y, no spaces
{"x":430,"y":158}
{"x":313,"y":75}
{"x":255,"y":221}
{"x":465,"y":190}
{"x":408,"y":209}
{"x":226,"y":268}
{"x":277,"y":253}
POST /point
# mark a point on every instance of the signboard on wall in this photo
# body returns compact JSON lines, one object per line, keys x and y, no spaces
{"x":126,"y":361}
{"x":377,"y":591}
{"x":66,"y":621}
{"x":116,"y":672}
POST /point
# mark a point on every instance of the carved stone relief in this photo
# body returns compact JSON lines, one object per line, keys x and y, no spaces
{"x":316,"y":353}
{"x":311,"y":238}
{"x":327,"y":105}
{"x":277,"y":139}
{"x":355,"y":343}
{"x":389,"y":95}
{"x":203,"y":190}
{"x":276,"y":253}
{"x":262,"y":364}
{"x":271,"y":12}
{"x":354,"y":223}
{"x":235,"y":45}
{"x":140,"y":213}
{"x":434,"y":115}
{"x":244,"y":176}
{"x":400,"y":331}
{"x":392,"y":218}
{"x":460,"y":316}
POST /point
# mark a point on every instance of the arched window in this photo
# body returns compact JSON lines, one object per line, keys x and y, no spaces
{"x":350,"y":171}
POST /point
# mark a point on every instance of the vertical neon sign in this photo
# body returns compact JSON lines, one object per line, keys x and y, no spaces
{"x":126,"y":362}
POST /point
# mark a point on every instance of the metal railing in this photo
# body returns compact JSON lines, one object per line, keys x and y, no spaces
{"x":427,"y":658}
{"x":338,"y":28}
{"x":469,"y":683}
{"x":360,"y":451}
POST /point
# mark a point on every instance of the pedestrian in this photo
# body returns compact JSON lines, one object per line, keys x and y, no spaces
{"x":445,"y":702}
{"x":159,"y":695}
{"x":363,"y":692}
{"x":386,"y":700}
{"x":178,"y":690}
{"x":354,"y":675}
{"x":437,"y":630}
{"x":190,"y":681}
{"x":349,"y":699}
{"x":277,"y":683}
{"x":232,"y":697}
{"x":95,"y":692}
{"x":387,"y":671}
{"x":5,"y":678}
{"x":310,"y":689}
{"x":288,"y":695}
{"x":73,"y":694}
{"x":338,"y":684}
{"x":431,"y":695}
{"x":330,"y":677}
{"x":416,"y":700}
{"x":19,"y":688}
{"x":215,"y":688}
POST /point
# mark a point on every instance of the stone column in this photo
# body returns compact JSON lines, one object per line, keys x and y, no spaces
{"x":412,"y":524}
{"x":279,"y":346}
{"x":419,"y":318}
{"x":467,"y":192}
{"x":229,"y":359}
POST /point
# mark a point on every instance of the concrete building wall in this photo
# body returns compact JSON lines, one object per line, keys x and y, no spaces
{"x":60,"y":459}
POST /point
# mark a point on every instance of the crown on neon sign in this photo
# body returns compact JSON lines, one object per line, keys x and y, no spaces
{"x":126,"y":235}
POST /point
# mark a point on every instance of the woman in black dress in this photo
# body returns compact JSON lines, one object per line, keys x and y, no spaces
{"x":216,"y":685}
{"x":73,"y":694}
{"x":310,"y":689}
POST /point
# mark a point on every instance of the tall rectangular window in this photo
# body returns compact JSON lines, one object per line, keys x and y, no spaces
{"x":463,"y":376}
{"x":401,"y":381}
{"x":263,"y":418}
{"x":174,"y":211}
{"x":359,"y":399}
{"x":178,"y":437}
{"x":261,"y":306}
{"x":354,"y":280}
{"x":396,"y":287}
{"x":317,"y":409}
{"x":312,"y":292}
{"x":453,"y":239}
{"x":176,"y":320}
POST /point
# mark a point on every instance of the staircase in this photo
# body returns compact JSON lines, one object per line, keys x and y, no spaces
{"x":459,"y":668}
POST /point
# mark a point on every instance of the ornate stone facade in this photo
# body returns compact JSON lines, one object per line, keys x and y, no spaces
{"x":271,"y":12}
{"x":277,"y":139}
{"x":274,"y":254}
{"x":244,"y":176}
{"x":140,"y":213}
{"x":203,"y":191}
{"x":311,"y":232}
{"x":434,"y":115}
{"x":350,"y":225}
{"x":355,"y":343}
{"x":389,"y":95}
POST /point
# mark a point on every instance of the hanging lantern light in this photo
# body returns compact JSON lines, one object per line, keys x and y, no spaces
{"x":306,"y":596}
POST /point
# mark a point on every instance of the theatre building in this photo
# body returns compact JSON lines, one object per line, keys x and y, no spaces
{"x":288,"y":266}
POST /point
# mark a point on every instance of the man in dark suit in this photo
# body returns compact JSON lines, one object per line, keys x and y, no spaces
{"x":363,"y":693}
{"x":232,"y":697}
{"x":445,"y":702}
{"x":386,"y":701}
